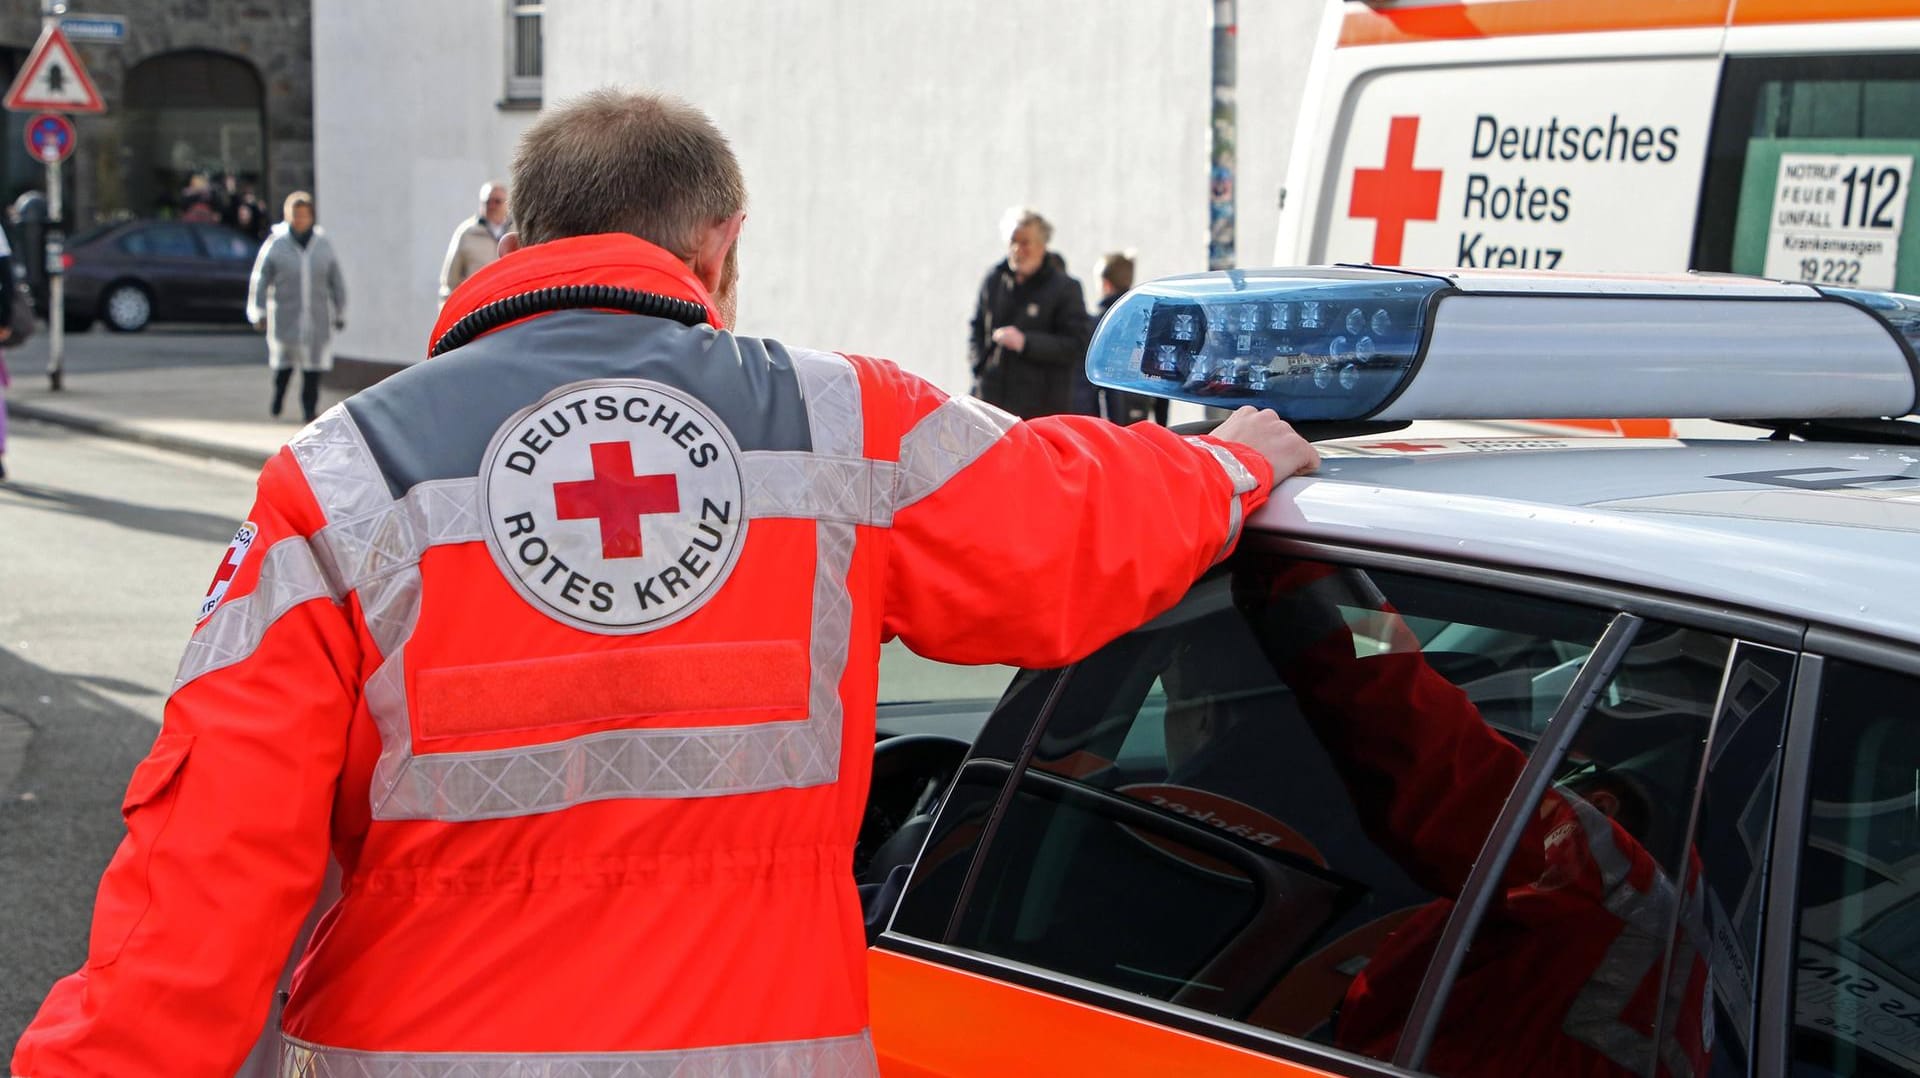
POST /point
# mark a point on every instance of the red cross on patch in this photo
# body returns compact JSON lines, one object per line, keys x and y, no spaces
{"x":617,"y":498}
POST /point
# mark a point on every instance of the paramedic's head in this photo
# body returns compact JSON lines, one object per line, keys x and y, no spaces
{"x":493,"y":202}
{"x":645,"y":164}
{"x":1027,"y":235}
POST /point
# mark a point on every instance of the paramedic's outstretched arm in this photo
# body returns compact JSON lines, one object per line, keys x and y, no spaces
{"x":1035,"y":543}
{"x":227,"y":823}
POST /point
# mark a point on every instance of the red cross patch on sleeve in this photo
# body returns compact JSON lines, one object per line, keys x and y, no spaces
{"x":229,"y":565}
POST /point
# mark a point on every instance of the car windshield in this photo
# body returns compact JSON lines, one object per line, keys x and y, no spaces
{"x":921,"y":696}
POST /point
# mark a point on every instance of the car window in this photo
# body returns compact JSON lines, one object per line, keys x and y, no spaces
{"x":160,"y":241}
{"x":226,"y":245}
{"x":1563,"y":972}
{"x":1732,"y":836}
{"x":1856,"y":1003}
{"x":1810,"y":170}
{"x":1239,"y":806}
{"x":91,"y":233}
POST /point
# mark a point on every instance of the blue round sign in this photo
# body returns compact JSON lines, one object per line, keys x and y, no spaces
{"x":49,"y":137}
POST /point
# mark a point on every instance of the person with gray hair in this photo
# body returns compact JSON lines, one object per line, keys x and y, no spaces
{"x":566,"y":645}
{"x":1027,"y":345}
{"x":476,"y":240}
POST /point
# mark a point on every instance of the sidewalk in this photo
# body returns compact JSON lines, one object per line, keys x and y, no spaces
{"x":191,"y":391}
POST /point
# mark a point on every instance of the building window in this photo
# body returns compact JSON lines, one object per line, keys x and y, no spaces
{"x":523,"y":50}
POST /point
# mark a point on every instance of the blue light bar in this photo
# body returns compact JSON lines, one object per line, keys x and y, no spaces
{"x":1330,"y":343}
{"x":1349,"y":343}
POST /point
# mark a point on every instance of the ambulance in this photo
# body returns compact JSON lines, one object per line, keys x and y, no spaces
{"x":1766,"y":137}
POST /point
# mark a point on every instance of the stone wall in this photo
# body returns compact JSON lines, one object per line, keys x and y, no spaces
{"x":274,"y":36}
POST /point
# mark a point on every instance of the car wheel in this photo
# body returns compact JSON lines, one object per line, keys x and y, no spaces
{"x":127,"y":308}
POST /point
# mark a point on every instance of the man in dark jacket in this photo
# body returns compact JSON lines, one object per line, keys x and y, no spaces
{"x":1028,"y":347}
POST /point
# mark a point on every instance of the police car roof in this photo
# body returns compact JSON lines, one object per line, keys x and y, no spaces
{"x":1822,"y":532}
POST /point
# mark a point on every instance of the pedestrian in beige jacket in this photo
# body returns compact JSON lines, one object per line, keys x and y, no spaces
{"x":477,"y":241}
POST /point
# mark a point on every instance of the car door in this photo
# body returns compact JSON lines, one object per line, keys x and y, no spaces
{"x":1303,"y":819}
{"x":167,"y":260}
{"x":1841,"y":985}
{"x":223,"y":273}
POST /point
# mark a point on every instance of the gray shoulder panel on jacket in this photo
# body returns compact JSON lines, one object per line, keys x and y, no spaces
{"x":435,"y":419}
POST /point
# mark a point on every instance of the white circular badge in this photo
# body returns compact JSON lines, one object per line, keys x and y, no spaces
{"x":614,"y":506}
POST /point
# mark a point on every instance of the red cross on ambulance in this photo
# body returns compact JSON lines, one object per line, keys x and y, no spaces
{"x":1395,"y":193}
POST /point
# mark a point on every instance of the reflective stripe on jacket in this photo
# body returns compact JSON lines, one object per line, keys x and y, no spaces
{"x":605,"y":828}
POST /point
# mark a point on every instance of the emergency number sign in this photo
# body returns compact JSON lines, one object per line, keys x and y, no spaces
{"x":1836,"y":218}
{"x":1588,"y":166}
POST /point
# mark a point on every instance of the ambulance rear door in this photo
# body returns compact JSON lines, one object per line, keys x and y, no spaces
{"x":1508,"y":134}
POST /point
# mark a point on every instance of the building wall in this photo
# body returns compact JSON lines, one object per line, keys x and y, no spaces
{"x":274,"y":36}
{"x":881,"y":142}
{"x":408,"y":124}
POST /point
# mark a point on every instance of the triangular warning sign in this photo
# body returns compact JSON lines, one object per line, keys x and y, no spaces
{"x":53,"y":80}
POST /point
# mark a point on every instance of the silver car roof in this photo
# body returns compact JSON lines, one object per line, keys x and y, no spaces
{"x":1822,"y":532}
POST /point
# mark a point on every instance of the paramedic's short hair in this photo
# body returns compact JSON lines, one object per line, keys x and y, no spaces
{"x":1020,"y":217}
{"x":615,"y":160}
{"x":298,"y":198}
{"x":1116,"y":268}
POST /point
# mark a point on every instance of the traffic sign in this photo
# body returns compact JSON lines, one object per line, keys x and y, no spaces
{"x":53,"y":80}
{"x":50,"y":137}
{"x":95,"y":29}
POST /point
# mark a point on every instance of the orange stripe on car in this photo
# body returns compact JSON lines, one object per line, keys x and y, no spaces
{"x":929,"y":1019}
{"x":1366,"y":25}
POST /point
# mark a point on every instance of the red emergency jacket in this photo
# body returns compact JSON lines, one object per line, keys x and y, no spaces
{"x":1563,"y":976}
{"x":564,"y":645}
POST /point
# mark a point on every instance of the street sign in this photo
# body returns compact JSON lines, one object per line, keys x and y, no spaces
{"x":95,"y":29}
{"x":53,"y":80}
{"x":50,"y":137}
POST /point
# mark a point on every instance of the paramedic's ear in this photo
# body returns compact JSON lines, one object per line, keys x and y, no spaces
{"x":710,"y":257}
{"x":509,"y":243}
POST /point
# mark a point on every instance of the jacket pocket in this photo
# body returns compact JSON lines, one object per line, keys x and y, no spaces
{"x":126,"y":890}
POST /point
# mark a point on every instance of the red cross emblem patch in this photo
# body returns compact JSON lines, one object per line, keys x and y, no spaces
{"x":229,"y":566}
{"x":614,"y":506}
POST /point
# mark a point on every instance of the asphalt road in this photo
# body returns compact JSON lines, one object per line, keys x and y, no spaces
{"x":105,"y":551}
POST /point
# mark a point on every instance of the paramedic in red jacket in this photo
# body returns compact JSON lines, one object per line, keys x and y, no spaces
{"x":564,"y":646}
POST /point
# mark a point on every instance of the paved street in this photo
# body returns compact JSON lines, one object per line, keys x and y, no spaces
{"x":105,"y":550}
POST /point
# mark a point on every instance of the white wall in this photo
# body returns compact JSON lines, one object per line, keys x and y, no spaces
{"x":881,"y":143}
{"x":406,"y":129}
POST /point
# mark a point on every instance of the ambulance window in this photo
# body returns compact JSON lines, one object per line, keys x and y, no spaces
{"x":1809,"y":170}
{"x":1243,"y":805}
{"x":1856,"y":1006}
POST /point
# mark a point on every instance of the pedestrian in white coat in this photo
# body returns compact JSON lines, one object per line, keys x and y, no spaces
{"x":298,"y":296}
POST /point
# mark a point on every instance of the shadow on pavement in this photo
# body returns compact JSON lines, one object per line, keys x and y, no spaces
{"x":185,"y":523}
{"x":59,"y":824}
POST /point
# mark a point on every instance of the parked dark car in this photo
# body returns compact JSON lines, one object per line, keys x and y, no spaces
{"x":135,"y":272}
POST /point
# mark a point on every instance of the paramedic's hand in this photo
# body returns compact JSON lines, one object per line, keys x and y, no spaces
{"x":1268,"y":435}
{"x":1010,"y":338}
